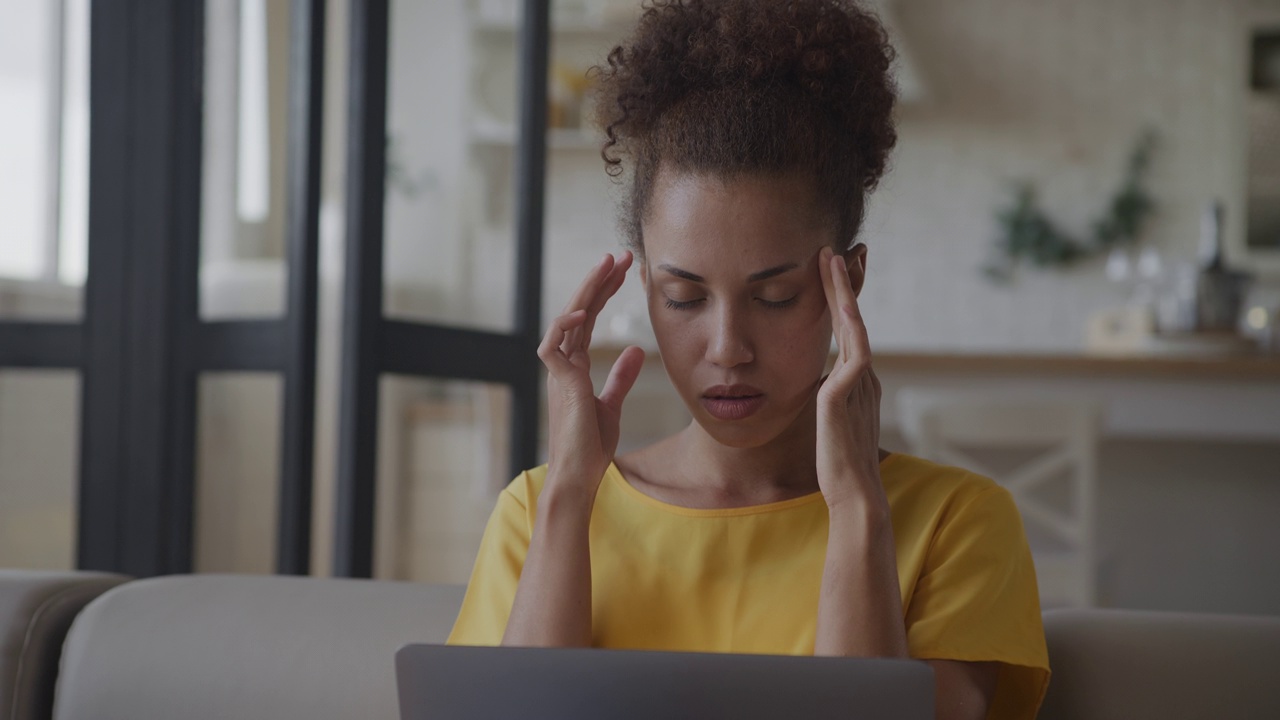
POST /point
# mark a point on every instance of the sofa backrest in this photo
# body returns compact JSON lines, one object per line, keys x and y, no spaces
{"x":1113,"y":664}
{"x":36,"y":609}
{"x":201,"y":647}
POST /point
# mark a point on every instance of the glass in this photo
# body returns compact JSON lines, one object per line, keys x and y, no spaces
{"x":448,"y":214}
{"x":443,"y":458}
{"x":581,"y":220}
{"x":43,"y":158}
{"x":39,"y":468}
{"x":242,"y":236}
{"x":237,"y":472}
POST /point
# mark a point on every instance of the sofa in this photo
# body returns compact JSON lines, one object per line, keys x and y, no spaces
{"x":81,"y":646}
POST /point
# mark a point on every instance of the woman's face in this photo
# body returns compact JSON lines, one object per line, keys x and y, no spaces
{"x":731,"y":276}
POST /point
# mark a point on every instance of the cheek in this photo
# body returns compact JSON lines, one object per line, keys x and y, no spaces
{"x":676,"y":336}
{"x":804,"y":338}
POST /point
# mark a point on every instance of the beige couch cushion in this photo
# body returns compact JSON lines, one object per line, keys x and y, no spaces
{"x":36,"y":608}
{"x":1115,"y":664}
{"x":201,"y":647}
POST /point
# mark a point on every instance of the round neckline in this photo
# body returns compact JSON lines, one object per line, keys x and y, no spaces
{"x":615,"y":474}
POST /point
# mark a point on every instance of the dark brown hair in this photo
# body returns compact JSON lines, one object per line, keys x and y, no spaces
{"x":731,"y":87}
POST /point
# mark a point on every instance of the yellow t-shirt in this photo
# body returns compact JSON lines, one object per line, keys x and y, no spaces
{"x":747,"y":579}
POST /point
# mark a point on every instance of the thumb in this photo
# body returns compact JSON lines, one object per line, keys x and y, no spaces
{"x":622,"y":377}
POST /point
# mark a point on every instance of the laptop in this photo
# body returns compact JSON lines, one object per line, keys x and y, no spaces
{"x":484,"y":683}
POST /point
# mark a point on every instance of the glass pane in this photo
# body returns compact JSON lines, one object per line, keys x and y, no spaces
{"x":43,"y":158}
{"x":237,"y":472}
{"x":39,"y":468}
{"x":442,"y":460}
{"x":242,"y":271}
{"x":448,"y":229}
{"x":581,"y":219}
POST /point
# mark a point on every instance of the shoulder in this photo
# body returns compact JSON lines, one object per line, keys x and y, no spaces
{"x":524,"y":489}
{"x":917,"y":480}
{"x":929,"y":497}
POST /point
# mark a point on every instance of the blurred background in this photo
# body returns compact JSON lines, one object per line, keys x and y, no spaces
{"x":1078,"y":242}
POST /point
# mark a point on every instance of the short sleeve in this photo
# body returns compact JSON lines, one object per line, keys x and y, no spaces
{"x":976,"y":600}
{"x":492,"y":588}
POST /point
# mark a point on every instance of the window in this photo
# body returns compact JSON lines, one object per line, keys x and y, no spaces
{"x":44,"y":140}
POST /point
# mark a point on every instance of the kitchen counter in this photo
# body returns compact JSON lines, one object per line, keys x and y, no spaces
{"x":1245,"y":368}
{"x":1235,"y":398}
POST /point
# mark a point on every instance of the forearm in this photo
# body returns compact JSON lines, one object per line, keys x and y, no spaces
{"x":552,"y":606}
{"x":860,"y":606}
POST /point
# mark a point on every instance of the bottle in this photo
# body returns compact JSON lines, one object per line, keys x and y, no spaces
{"x":1211,"y":254}
{"x":1220,"y":291}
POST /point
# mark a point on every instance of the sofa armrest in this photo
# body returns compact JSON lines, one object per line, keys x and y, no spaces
{"x":1111,"y":664}
{"x":36,"y":610}
{"x":207,"y":647}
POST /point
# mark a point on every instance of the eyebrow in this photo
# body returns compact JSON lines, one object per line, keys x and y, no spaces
{"x":753,"y":277}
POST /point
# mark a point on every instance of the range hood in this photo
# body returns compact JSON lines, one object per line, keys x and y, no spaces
{"x":911,"y":86}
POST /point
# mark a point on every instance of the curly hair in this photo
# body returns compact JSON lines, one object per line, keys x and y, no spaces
{"x":732,"y":87}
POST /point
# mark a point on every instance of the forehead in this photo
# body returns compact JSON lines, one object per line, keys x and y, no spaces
{"x":746,"y":220}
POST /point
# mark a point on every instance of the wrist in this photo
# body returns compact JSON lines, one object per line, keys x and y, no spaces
{"x":561,"y":497}
{"x":858,"y":509}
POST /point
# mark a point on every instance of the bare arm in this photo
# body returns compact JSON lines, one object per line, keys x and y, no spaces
{"x":552,"y":604}
{"x":860,"y":614}
{"x":963,"y":690}
{"x":860,"y":606}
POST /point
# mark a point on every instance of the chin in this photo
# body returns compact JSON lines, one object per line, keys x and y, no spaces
{"x":741,"y":434}
{"x":738,"y":438}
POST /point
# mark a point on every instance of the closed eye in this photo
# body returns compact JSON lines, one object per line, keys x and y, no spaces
{"x":682,"y":304}
{"x":779,"y":303}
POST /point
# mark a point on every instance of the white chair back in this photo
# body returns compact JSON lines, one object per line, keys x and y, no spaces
{"x":944,"y":426}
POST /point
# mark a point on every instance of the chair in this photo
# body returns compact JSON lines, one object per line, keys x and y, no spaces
{"x":945,"y":427}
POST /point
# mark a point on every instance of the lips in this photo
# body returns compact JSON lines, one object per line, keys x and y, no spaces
{"x":732,"y":402}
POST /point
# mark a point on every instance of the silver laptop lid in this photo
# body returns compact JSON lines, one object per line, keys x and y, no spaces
{"x":482,"y":683}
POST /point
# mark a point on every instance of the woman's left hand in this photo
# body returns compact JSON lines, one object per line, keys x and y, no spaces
{"x":848,"y":444}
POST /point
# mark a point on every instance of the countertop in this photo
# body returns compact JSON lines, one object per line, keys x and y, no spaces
{"x":1251,"y":368}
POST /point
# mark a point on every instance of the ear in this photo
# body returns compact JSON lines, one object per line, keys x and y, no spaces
{"x":855,"y":259}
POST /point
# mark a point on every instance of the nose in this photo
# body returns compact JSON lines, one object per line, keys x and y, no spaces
{"x":728,"y":344}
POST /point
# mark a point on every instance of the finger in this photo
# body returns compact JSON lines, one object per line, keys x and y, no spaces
{"x":835,"y":271}
{"x":608,"y":289}
{"x":549,"y":351}
{"x":825,"y":257}
{"x":856,"y":346}
{"x":584,"y":296}
{"x":622,"y":377}
{"x":825,"y":265}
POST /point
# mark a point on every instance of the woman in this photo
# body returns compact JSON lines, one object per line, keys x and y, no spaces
{"x":752,"y":133}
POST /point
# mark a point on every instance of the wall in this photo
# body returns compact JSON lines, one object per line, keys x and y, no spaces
{"x":1055,"y":92}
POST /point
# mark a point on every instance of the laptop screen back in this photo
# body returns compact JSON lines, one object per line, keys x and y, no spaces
{"x":475,"y":683}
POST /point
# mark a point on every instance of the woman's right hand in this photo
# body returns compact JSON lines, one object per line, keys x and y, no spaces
{"x":584,"y":428}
